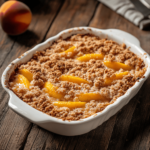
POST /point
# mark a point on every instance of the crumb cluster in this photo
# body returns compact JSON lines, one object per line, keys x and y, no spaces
{"x":50,"y":64}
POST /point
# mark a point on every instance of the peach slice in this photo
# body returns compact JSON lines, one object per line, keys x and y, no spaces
{"x":87,"y":57}
{"x":27,"y":74}
{"x":22,"y":80}
{"x":85,"y":97}
{"x":117,"y":76}
{"x":121,"y":74}
{"x":71,"y":49}
{"x":51,"y":90}
{"x":117,"y":65}
{"x":69,"y":104}
{"x":73,"y":79}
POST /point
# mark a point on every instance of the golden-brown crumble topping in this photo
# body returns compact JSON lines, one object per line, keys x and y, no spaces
{"x":51,"y":64}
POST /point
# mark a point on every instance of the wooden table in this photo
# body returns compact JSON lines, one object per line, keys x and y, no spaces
{"x":128,"y":129}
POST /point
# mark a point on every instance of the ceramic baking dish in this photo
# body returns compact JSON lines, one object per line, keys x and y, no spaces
{"x":85,"y":125}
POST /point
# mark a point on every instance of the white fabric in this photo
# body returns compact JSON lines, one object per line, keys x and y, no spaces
{"x":127,"y":9}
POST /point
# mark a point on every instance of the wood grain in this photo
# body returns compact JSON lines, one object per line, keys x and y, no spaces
{"x":129,"y":121}
{"x":12,"y":136}
{"x":70,"y":14}
{"x":128,"y":129}
{"x":73,"y":13}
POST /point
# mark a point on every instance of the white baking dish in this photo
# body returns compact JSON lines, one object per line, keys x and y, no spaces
{"x":82,"y":126}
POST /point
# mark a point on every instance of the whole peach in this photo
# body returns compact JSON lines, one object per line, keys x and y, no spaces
{"x":15,"y":17}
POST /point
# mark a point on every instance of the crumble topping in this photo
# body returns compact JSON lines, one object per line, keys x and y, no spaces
{"x":50,"y":64}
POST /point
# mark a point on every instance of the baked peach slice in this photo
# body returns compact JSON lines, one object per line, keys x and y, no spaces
{"x":87,"y":57}
{"x":117,"y":76}
{"x":52,"y":90}
{"x":69,"y":104}
{"x":71,"y":49}
{"x":73,"y":79}
{"x":86,"y":97}
{"x":117,"y":65}
{"x":27,"y":74}
{"x":20,"y":79}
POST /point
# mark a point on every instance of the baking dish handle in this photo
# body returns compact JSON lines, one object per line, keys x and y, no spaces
{"x":126,"y":36}
{"x":28,"y":112}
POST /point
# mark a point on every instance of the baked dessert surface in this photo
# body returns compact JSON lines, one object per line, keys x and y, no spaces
{"x":77,"y":77}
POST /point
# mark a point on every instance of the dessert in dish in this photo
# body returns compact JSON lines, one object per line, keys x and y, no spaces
{"x":77,"y":77}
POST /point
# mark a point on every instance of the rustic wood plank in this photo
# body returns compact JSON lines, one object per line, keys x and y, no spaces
{"x":120,"y":123}
{"x":140,"y":122}
{"x":96,"y":139}
{"x":13,"y":128}
{"x":5,"y":47}
{"x":72,"y":12}
{"x":3,"y":103}
{"x":130,"y":122}
{"x":37,"y":136}
{"x":116,"y":128}
{"x":14,"y":131}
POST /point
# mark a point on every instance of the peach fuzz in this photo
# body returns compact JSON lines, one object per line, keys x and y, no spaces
{"x":15,"y":17}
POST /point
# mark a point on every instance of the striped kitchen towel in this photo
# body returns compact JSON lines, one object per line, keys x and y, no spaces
{"x":128,"y":10}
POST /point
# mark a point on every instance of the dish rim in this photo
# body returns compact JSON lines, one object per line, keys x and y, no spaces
{"x":49,"y":118}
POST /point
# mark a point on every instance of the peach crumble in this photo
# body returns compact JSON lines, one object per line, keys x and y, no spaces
{"x":77,"y":77}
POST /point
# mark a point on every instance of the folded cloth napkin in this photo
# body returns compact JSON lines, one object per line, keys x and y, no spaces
{"x":128,"y":10}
